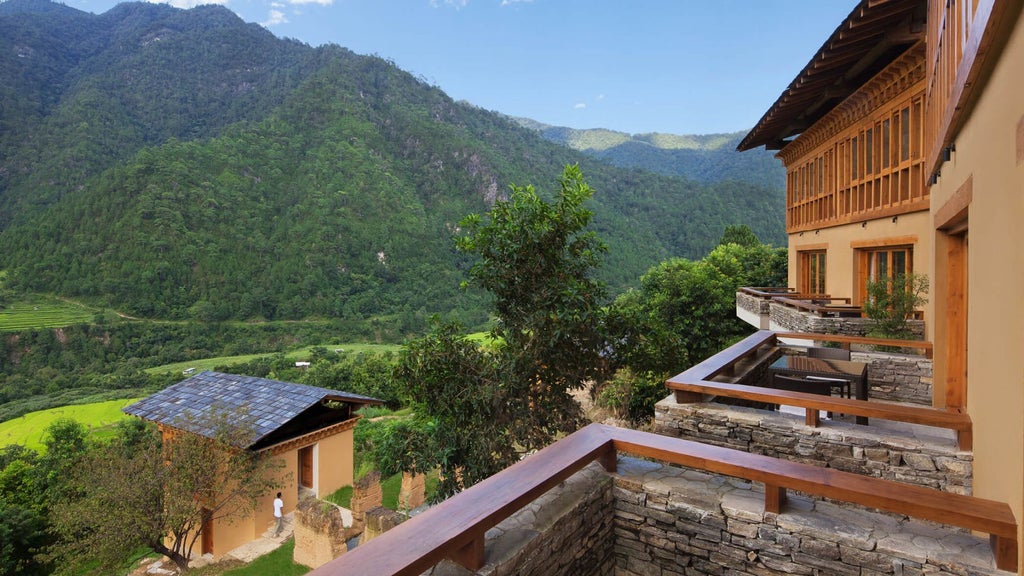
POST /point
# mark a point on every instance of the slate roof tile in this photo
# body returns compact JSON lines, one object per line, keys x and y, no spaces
{"x":268,"y":404}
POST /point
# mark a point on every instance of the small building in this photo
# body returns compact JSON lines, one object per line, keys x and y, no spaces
{"x":309,"y":428}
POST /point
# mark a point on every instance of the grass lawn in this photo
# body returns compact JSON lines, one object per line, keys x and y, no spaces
{"x":277,"y":563}
{"x":299,"y":354}
{"x":99,"y":418}
{"x":37,"y":311}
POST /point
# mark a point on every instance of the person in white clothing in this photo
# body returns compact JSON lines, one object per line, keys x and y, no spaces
{"x":278,"y":509}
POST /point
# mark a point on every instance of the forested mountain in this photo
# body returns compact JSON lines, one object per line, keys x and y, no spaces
{"x":181,"y":163}
{"x":704,"y":157}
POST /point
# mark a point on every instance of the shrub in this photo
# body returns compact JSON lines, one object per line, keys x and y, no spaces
{"x":892,"y":301}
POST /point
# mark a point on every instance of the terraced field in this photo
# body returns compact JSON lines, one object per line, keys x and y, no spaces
{"x":99,"y":419}
{"x":43,"y":312}
{"x":300,"y":354}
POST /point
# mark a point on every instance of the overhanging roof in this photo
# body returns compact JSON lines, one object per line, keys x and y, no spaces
{"x":265,"y":405}
{"x":874,"y":34}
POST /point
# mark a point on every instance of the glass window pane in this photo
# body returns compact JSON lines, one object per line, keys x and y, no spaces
{"x":899,"y":262}
{"x":905,"y":134}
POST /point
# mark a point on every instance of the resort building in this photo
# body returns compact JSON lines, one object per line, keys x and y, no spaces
{"x":903,"y":140}
{"x":309,"y":429}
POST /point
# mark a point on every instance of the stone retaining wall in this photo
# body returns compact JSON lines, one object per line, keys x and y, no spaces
{"x":673,"y":521}
{"x":320,"y":533}
{"x":566,"y":532}
{"x":789,"y":319}
{"x":925,"y":460}
{"x":898,"y":377}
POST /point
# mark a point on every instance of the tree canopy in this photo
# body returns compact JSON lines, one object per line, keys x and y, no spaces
{"x":480,"y":408}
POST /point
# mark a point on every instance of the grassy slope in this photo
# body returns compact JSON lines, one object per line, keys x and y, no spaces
{"x":298,"y":354}
{"x":29,"y":429}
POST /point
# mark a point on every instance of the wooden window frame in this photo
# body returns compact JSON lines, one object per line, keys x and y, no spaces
{"x":812,"y":268}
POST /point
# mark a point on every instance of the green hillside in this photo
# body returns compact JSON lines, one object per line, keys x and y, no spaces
{"x":702,"y":157}
{"x":181,"y":164}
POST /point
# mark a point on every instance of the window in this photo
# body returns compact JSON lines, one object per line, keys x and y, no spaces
{"x":905,"y":134}
{"x":878,"y":263}
{"x":869,"y":152}
{"x":812,"y":272}
{"x":885,"y":143}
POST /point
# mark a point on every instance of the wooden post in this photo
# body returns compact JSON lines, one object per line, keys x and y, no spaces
{"x":1005,"y":550}
{"x":685,"y":397}
{"x":774,"y":498}
{"x":812,"y":417}
{"x":470,"y":556}
{"x":609,"y":459}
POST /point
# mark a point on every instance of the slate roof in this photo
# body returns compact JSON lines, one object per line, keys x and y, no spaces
{"x":268,"y":404}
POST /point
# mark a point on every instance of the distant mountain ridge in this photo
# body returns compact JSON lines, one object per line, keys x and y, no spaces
{"x":184,"y":164}
{"x":703,"y":157}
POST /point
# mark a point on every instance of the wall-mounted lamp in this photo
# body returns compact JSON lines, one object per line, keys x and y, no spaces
{"x":864,"y":224}
{"x":934,"y":178}
{"x":816,"y":232}
{"x":801,"y":234}
{"x":895,"y":218}
{"x":947,"y":152}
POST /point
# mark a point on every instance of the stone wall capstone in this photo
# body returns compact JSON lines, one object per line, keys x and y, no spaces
{"x":673,"y":521}
{"x":931,"y":461}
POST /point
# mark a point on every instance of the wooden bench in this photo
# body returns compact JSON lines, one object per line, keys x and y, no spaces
{"x":455,"y":529}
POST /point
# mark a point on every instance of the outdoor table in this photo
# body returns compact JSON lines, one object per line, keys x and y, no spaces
{"x":801,"y":366}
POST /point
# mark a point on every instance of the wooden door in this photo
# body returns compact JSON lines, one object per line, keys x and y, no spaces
{"x":306,"y":467}
{"x":207,"y":540}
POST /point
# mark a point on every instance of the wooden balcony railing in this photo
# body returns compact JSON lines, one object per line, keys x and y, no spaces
{"x":698,"y":383}
{"x":821,"y":306}
{"x":455,"y":528}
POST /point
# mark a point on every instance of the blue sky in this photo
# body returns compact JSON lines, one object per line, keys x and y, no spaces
{"x":636,"y":66}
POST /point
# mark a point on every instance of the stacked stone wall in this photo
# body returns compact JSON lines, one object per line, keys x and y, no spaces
{"x":933,"y":462}
{"x":366,"y":495}
{"x":674,"y":522}
{"x":320,"y":534}
{"x":566,"y":532}
{"x":753,"y":304}
{"x":413,"y":492}
{"x":787,"y":318}
{"x":378,"y":521}
{"x":898,"y":377}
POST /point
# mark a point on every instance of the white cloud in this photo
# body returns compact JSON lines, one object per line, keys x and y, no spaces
{"x":188,"y":3}
{"x":275,"y":17}
{"x":510,"y":2}
{"x":320,"y":2}
{"x":600,"y":97}
{"x":580,"y":106}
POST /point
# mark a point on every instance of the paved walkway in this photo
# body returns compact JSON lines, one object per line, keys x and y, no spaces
{"x":266,"y":544}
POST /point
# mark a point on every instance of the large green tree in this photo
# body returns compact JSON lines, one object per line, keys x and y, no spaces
{"x":685,"y":311}
{"x":481,"y":408}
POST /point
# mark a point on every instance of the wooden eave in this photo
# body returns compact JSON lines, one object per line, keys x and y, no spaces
{"x":874,"y":34}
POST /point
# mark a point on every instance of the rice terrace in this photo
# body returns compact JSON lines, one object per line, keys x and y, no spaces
{"x":43,"y":312}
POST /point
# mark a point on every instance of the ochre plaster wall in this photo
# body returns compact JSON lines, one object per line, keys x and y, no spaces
{"x":989,"y":154}
{"x":840,"y":261}
{"x":333,"y":463}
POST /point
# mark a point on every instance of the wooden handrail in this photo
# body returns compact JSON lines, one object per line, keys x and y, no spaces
{"x":846,"y":341}
{"x":695,"y":384}
{"x":769,"y":292}
{"x":455,"y":529}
